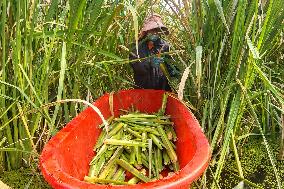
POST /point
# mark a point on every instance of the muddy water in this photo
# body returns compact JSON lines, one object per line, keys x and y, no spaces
{"x":24,"y":178}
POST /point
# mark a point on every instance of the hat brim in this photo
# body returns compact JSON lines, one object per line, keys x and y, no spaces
{"x":163,"y":29}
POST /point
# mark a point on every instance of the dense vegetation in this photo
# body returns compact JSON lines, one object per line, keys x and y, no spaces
{"x":231,"y":52}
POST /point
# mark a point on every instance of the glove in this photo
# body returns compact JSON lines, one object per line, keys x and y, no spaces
{"x":156,"y":61}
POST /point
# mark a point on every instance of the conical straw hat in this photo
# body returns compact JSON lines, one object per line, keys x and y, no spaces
{"x":153,"y":22}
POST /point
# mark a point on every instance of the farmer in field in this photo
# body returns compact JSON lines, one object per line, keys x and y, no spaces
{"x":148,"y":73}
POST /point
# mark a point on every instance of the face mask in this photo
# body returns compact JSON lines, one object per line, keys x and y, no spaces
{"x":153,"y":37}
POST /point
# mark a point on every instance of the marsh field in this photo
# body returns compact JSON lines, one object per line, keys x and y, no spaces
{"x":230,"y":54}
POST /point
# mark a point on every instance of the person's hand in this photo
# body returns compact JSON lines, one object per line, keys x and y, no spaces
{"x":156,"y":61}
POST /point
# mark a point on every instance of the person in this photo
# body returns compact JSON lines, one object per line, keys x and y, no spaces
{"x":148,"y":74}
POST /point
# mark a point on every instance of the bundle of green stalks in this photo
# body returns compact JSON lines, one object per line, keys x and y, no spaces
{"x":137,"y":143}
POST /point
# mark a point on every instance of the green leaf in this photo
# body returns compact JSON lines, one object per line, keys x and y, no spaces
{"x":61,"y":80}
{"x":198,"y":69}
{"x":221,"y":12}
{"x":252,"y":49}
{"x":135,"y":22}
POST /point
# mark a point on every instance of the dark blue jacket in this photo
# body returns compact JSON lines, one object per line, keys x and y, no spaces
{"x":145,"y":75}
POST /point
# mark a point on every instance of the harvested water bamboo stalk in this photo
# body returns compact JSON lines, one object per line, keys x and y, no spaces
{"x":104,"y":181}
{"x":132,"y":170}
{"x":134,"y":141}
{"x":168,"y":145}
{"x":124,"y":142}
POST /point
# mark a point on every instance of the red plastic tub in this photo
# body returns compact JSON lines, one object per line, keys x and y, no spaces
{"x":65,"y":158}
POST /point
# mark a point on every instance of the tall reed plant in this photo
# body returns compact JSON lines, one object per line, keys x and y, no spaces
{"x":231,"y":51}
{"x":239,"y":76}
{"x":54,"y":50}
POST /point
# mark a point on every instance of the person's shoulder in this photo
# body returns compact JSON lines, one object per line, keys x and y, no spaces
{"x":141,"y":50}
{"x":132,"y":46}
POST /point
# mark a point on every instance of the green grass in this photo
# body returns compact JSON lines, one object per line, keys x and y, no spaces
{"x":233,"y":52}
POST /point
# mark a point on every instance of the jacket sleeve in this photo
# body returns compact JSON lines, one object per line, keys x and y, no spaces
{"x":140,"y":67}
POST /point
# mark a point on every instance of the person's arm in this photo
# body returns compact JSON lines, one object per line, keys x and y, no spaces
{"x":140,"y":67}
